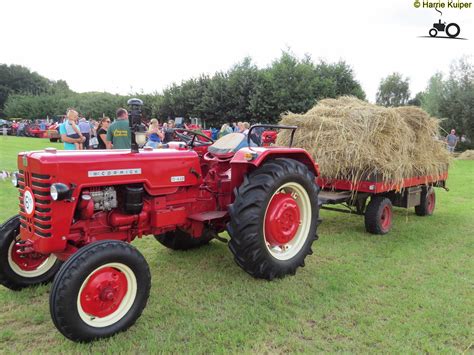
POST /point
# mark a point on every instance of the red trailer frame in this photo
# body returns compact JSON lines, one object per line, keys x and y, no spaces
{"x":414,"y":192}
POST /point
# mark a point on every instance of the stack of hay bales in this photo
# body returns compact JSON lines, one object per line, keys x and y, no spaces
{"x":467,"y":155}
{"x":352,"y":139}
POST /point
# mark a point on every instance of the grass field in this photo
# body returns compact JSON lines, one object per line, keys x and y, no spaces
{"x":408,"y":291}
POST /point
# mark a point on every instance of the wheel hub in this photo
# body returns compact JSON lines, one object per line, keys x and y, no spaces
{"x":26,"y":261}
{"x":103,"y":292}
{"x":386,"y":218}
{"x":282,"y":219}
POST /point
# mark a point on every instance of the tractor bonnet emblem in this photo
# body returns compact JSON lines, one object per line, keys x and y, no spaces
{"x":28,"y":202}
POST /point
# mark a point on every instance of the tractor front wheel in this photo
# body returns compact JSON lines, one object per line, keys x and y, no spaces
{"x":101,"y":290}
{"x":21,"y":267}
{"x":274,"y":218}
{"x":180,"y":240}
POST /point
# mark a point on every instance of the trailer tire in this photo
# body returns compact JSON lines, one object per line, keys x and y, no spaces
{"x":378,"y":215}
{"x":427,"y":202}
{"x":101,"y":290}
{"x":274,"y":218}
{"x":180,"y":240}
{"x":16,"y":275}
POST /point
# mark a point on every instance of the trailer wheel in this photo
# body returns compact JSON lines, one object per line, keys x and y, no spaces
{"x":101,"y":290}
{"x":274,"y":218}
{"x":17,"y":270}
{"x":427,"y":202}
{"x":378,"y":215}
{"x":180,"y":240}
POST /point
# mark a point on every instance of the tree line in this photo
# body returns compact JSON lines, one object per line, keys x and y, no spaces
{"x":244,"y":92}
{"x":247,"y":93}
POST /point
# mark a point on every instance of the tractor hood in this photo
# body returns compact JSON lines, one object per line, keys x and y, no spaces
{"x":159,"y":170}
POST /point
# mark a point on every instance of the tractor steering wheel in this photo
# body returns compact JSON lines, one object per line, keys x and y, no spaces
{"x":190,"y":138}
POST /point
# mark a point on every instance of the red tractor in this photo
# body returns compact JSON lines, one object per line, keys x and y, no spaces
{"x":79,"y":210}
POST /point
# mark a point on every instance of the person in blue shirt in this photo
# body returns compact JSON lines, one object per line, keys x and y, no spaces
{"x":155,"y":136}
{"x":69,"y":142}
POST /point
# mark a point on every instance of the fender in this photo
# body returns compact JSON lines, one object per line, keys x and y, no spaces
{"x":241,"y":165}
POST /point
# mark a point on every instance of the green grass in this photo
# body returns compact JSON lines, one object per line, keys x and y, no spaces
{"x":408,"y":291}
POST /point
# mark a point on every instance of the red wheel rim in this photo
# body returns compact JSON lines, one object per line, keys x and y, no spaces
{"x":386,"y":218}
{"x":282,"y":219}
{"x":104,"y":292}
{"x":26,"y":261}
{"x":431,"y":202}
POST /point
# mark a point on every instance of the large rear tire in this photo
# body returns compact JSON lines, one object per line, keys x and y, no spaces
{"x":180,"y":240}
{"x":17,"y":269}
{"x":101,"y":290}
{"x":274,"y":218}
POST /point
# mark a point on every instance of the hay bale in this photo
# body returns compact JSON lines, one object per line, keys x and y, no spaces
{"x":467,"y":155}
{"x":352,"y":139}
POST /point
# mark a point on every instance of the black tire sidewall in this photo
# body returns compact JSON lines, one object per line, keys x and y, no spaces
{"x":67,"y":284}
{"x":247,"y":212}
{"x":373,"y":215}
{"x":435,"y":32}
{"x":299,"y":257}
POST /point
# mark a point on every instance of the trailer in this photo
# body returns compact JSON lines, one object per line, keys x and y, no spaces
{"x":417,"y":192}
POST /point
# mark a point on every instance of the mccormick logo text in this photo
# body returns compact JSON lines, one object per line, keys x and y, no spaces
{"x":117,"y":172}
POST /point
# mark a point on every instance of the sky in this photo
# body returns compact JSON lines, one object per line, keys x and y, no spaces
{"x":144,"y":45}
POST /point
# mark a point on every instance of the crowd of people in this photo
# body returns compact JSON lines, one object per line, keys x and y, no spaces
{"x":79,"y":133}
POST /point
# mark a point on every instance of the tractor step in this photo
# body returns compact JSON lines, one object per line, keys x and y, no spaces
{"x":208,"y":216}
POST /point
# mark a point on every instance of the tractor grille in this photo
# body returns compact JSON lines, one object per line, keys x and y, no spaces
{"x":39,"y":223}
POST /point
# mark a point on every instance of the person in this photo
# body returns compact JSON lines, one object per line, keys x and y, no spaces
{"x":69,"y":143}
{"x":245,"y":128}
{"x":102,"y":132}
{"x":225,"y":129}
{"x":154,"y":134}
{"x":451,"y":140}
{"x":169,"y":132}
{"x":85,"y":128}
{"x":118,"y":134}
{"x":72,"y":130}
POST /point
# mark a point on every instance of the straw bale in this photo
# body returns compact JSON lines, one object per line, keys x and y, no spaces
{"x":467,"y":155}
{"x":352,"y":139}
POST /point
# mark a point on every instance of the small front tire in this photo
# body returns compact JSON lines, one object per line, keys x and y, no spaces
{"x":379,"y":215}
{"x":427,"y":202}
{"x":17,"y":270}
{"x":101,"y":290}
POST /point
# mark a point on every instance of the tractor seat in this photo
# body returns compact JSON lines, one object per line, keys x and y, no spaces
{"x":228,"y":145}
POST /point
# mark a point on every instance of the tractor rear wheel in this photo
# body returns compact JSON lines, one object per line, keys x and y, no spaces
{"x":427,"y":202}
{"x":274,"y":218}
{"x":378,"y":215}
{"x":180,"y":240}
{"x":101,"y":290}
{"x":17,"y":268}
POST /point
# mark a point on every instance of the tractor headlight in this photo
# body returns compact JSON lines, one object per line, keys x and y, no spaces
{"x":15,"y":179}
{"x":59,"y":191}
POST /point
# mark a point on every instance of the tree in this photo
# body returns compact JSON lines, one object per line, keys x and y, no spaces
{"x":457,"y":100}
{"x":394,"y":90}
{"x":18,"y":79}
{"x":433,"y":95}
